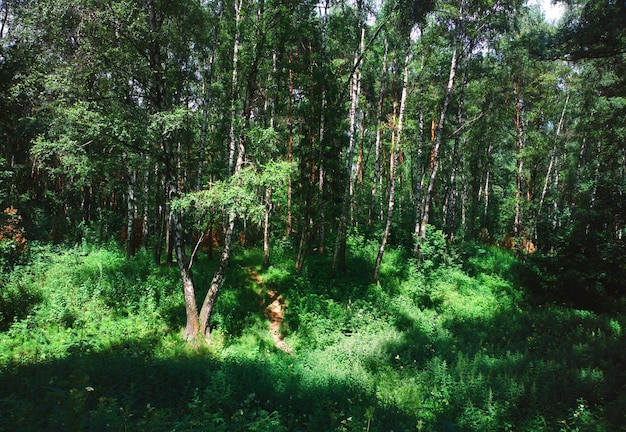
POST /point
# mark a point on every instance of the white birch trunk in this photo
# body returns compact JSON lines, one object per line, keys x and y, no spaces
{"x":393,"y":167}
{"x":437,"y":146}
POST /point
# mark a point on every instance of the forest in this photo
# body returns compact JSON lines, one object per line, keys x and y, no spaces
{"x":333,"y":215}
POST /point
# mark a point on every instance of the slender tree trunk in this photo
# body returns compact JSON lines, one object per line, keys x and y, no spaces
{"x":174,"y":179}
{"x":268,"y":190}
{"x":218,"y":277}
{"x":290,"y":150}
{"x":355,"y":123}
{"x":131,"y":213}
{"x":159,"y":217}
{"x":450,"y":203}
{"x":232,"y":148}
{"x":553,"y":157}
{"x":321,"y":176}
{"x":359,"y":161}
{"x":266,"y":227}
{"x":552,"y":174}
{"x":464,"y":200}
{"x":184,"y":266}
{"x":339,"y":255}
{"x":486,"y":190}
{"x":577,"y":178}
{"x":519,"y":161}
{"x":5,"y":18}
{"x":169,"y":244}
{"x":145,"y":215}
{"x":377,"y":180}
{"x":322,"y":222}
{"x":206,"y":105}
{"x":396,"y":149}
{"x":436,"y":147}
{"x":302,"y":246}
{"x":419,"y":169}
{"x":251,"y":86}
{"x":323,"y":11}
{"x":217,"y":280}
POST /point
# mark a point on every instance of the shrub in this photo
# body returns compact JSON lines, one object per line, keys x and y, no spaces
{"x":16,"y":301}
{"x":434,"y":251}
{"x":12,"y":240}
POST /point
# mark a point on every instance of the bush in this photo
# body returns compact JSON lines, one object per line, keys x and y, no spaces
{"x":434,"y":251}
{"x":16,"y":301}
{"x":12,"y":240}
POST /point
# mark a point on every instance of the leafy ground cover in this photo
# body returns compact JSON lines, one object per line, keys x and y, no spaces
{"x":457,"y":342}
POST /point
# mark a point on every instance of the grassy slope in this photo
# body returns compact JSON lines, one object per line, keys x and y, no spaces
{"x":453,"y":344}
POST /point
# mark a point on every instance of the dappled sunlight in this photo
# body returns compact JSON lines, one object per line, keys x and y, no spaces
{"x":452,"y":349}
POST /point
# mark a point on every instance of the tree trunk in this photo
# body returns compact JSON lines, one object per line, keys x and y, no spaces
{"x":232,"y":148}
{"x":131,"y":214}
{"x":302,"y":246}
{"x":323,"y":11}
{"x":553,"y":157}
{"x":339,"y":255}
{"x":184,"y":266}
{"x":207,"y":99}
{"x":266,"y":227}
{"x":419,"y":169}
{"x":519,"y":161}
{"x":290,"y":149}
{"x":160,"y":217}
{"x":392,"y":169}
{"x":251,"y":85}
{"x":145,"y":210}
{"x":436,"y":146}
{"x":355,"y":123}
{"x":486,"y":189}
{"x":377,"y":179}
{"x":450,"y":203}
{"x":218,"y":277}
{"x":217,"y":280}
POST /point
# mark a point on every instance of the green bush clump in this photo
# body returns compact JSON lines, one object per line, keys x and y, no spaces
{"x":13,"y":243}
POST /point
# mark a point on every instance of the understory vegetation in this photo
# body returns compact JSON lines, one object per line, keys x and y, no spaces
{"x":466,"y":339}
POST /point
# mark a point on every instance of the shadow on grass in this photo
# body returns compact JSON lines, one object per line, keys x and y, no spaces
{"x":129,"y":389}
{"x":16,"y":301}
{"x":542,"y":368}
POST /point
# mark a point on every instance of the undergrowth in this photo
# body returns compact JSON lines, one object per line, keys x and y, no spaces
{"x":453,"y":341}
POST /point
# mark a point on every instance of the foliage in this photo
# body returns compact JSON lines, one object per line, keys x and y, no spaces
{"x":126,"y":115}
{"x":97,"y":338}
{"x":434,"y":251}
{"x":13,"y":244}
{"x":242,"y":193}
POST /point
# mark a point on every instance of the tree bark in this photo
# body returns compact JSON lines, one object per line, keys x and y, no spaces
{"x":419,"y":169}
{"x":377,"y":179}
{"x":266,"y":227}
{"x":450,"y":203}
{"x":397,"y":148}
{"x":519,"y":137}
{"x":131,"y":213}
{"x":339,"y":255}
{"x":436,"y":147}
{"x":323,"y":11}
{"x":251,"y":86}
{"x":553,"y":157}
{"x":232,"y":148}
{"x":290,"y":149}
{"x":184,"y":266}
{"x":207,"y":99}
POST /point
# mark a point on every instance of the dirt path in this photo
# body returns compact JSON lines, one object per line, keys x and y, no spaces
{"x":273,"y":306}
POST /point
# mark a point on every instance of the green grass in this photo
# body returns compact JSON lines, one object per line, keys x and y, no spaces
{"x":90,"y":341}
